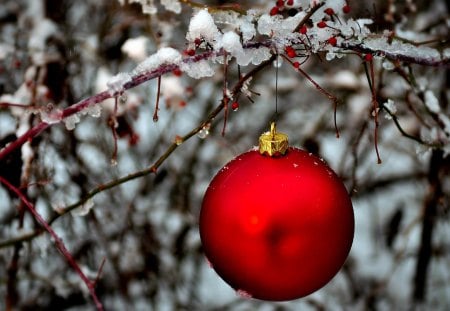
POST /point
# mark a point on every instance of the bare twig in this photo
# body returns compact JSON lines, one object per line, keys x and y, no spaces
{"x":393,"y":56}
{"x":149,"y":170}
{"x":58,"y":242}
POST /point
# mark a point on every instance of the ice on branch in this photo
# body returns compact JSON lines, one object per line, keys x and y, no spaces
{"x":164,"y":56}
{"x":71,"y":121}
{"x":117,"y":83}
{"x":94,"y":110}
{"x":247,"y":28}
{"x":397,"y":48}
{"x":355,"y":28}
{"x":202,"y":26}
{"x":232,"y":43}
{"x":256,"y":56}
{"x":244,"y":24}
{"x":391,"y":107}
{"x":50,"y":114}
{"x":84,"y":209}
{"x":277,"y":27}
{"x":197,"y":69}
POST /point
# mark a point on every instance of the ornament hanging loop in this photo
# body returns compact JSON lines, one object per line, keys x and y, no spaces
{"x":273,"y":143}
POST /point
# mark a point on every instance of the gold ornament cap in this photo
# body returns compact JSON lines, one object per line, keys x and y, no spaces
{"x":273,"y":143}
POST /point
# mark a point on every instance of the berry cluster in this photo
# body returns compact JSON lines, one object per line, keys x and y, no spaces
{"x":291,"y":7}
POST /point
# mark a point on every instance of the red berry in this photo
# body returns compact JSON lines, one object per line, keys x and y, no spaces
{"x":368,"y":57}
{"x":322,"y":24}
{"x":290,"y":2}
{"x":332,"y":41}
{"x":274,"y":11}
{"x":303,"y":29}
{"x":329,"y":11}
{"x":296,"y":65}
{"x":197,"y":41}
{"x":346,"y":9}
{"x":290,"y":51}
{"x":177,"y":72}
{"x":235,"y":106}
{"x":280,"y":3}
{"x":190,"y":52}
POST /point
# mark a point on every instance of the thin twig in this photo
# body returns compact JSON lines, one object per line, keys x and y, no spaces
{"x":424,"y":61}
{"x":158,"y":94}
{"x":149,"y":170}
{"x":225,"y":98}
{"x":58,"y":242}
{"x":330,"y":96}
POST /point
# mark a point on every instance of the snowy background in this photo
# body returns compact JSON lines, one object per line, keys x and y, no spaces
{"x":55,"y":53}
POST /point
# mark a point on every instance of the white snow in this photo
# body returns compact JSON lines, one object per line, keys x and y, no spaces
{"x":116,"y":84}
{"x":197,"y":70}
{"x":163,"y":56}
{"x":42,"y":30}
{"x":400,"y":48}
{"x":232,"y":43}
{"x":172,"y":89}
{"x":247,"y":29}
{"x":202,"y":26}
{"x":136,"y":48}
{"x":390,"y":105}
{"x":172,"y":5}
{"x":259,"y":55}
{"x":432,"y":102}
{"x":71,"y":121}
{"x":51,"y":115}
{"x":277,"y":27}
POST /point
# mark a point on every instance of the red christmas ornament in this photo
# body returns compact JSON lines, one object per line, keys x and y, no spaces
{"x":276,"y":223}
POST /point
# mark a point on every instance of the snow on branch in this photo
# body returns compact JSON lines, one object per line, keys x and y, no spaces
{"x":253,"y":38}
{"x":400,"y":51}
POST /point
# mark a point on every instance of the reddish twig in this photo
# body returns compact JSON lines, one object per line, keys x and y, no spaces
{"x":100,"y":97}
{"x":149,"y":170}
{"x":158,"y":93}
{"x":3,"y":104}
{"x":113,"y":125}
{"x":330,"y":96}
{"x":424,"y":61}
{"x":58,"y":242}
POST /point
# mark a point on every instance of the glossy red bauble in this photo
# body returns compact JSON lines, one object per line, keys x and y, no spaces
{"x":276,"y":228}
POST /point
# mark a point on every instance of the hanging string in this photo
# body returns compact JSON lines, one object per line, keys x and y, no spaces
{"x":277,"y":64}
{"x":276,"y":89}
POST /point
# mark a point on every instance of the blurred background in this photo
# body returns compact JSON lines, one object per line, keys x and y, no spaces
{"x":55,"y":53}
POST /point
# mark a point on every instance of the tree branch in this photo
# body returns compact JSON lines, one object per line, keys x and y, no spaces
{"x":58,"y":242}
{"x":149,"y":170}
{"x":393,"y":55}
